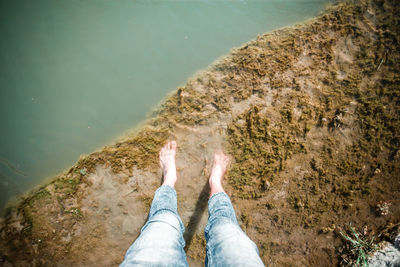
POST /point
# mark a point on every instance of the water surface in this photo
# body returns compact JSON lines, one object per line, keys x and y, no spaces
{"x":75,"y":75}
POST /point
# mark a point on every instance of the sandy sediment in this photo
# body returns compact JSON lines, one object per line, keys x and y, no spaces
{"x":310,"y":116}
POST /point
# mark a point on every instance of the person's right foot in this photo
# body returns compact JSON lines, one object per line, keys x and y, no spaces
{"x":221,"y":162}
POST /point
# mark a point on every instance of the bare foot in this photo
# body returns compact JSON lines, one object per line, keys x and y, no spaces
{"x":221,"y":162}
{"x":167,"y":162}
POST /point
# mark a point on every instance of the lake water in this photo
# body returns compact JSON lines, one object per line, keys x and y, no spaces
{"x":75,"y":75}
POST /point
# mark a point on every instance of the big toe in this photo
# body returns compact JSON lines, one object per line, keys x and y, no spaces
{"x":173,"y":145}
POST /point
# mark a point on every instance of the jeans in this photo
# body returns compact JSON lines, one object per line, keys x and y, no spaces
{"x":161,"y":242}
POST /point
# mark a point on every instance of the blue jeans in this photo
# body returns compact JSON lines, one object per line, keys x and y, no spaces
{"x":161,"y":240}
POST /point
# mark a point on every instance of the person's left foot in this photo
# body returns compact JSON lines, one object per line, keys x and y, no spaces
{"x":167,"y":162}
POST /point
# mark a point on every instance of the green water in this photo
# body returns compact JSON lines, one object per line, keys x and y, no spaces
{"x":75,"y":75}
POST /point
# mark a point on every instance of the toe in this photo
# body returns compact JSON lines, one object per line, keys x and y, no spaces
{"x":173,"y":145}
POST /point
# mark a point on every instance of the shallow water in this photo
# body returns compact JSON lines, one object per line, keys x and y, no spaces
{"x":75,"y":75}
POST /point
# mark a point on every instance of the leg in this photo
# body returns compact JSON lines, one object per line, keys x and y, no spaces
{"x":227,"y":244}
{"x":161,"y":240}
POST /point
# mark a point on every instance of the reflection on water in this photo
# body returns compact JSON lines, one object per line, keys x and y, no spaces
{"x":74,"y":74}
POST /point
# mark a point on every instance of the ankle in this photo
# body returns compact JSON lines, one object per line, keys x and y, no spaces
{"x":171,"y":184}
{"x":215,"y":191}
{"x":169,"y":176}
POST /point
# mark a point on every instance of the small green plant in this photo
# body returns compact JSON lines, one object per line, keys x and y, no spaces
{"x":357,"y":247}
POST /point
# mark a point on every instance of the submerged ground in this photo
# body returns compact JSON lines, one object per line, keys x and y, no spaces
{"x":310,"y":116}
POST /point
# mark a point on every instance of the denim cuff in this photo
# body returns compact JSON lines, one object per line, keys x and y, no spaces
{"x":220,"y":203}
{"x":217,"y":196}
{"x":167,"y":188}
{"x":220,"y":210}
{"x":164,"y":199}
